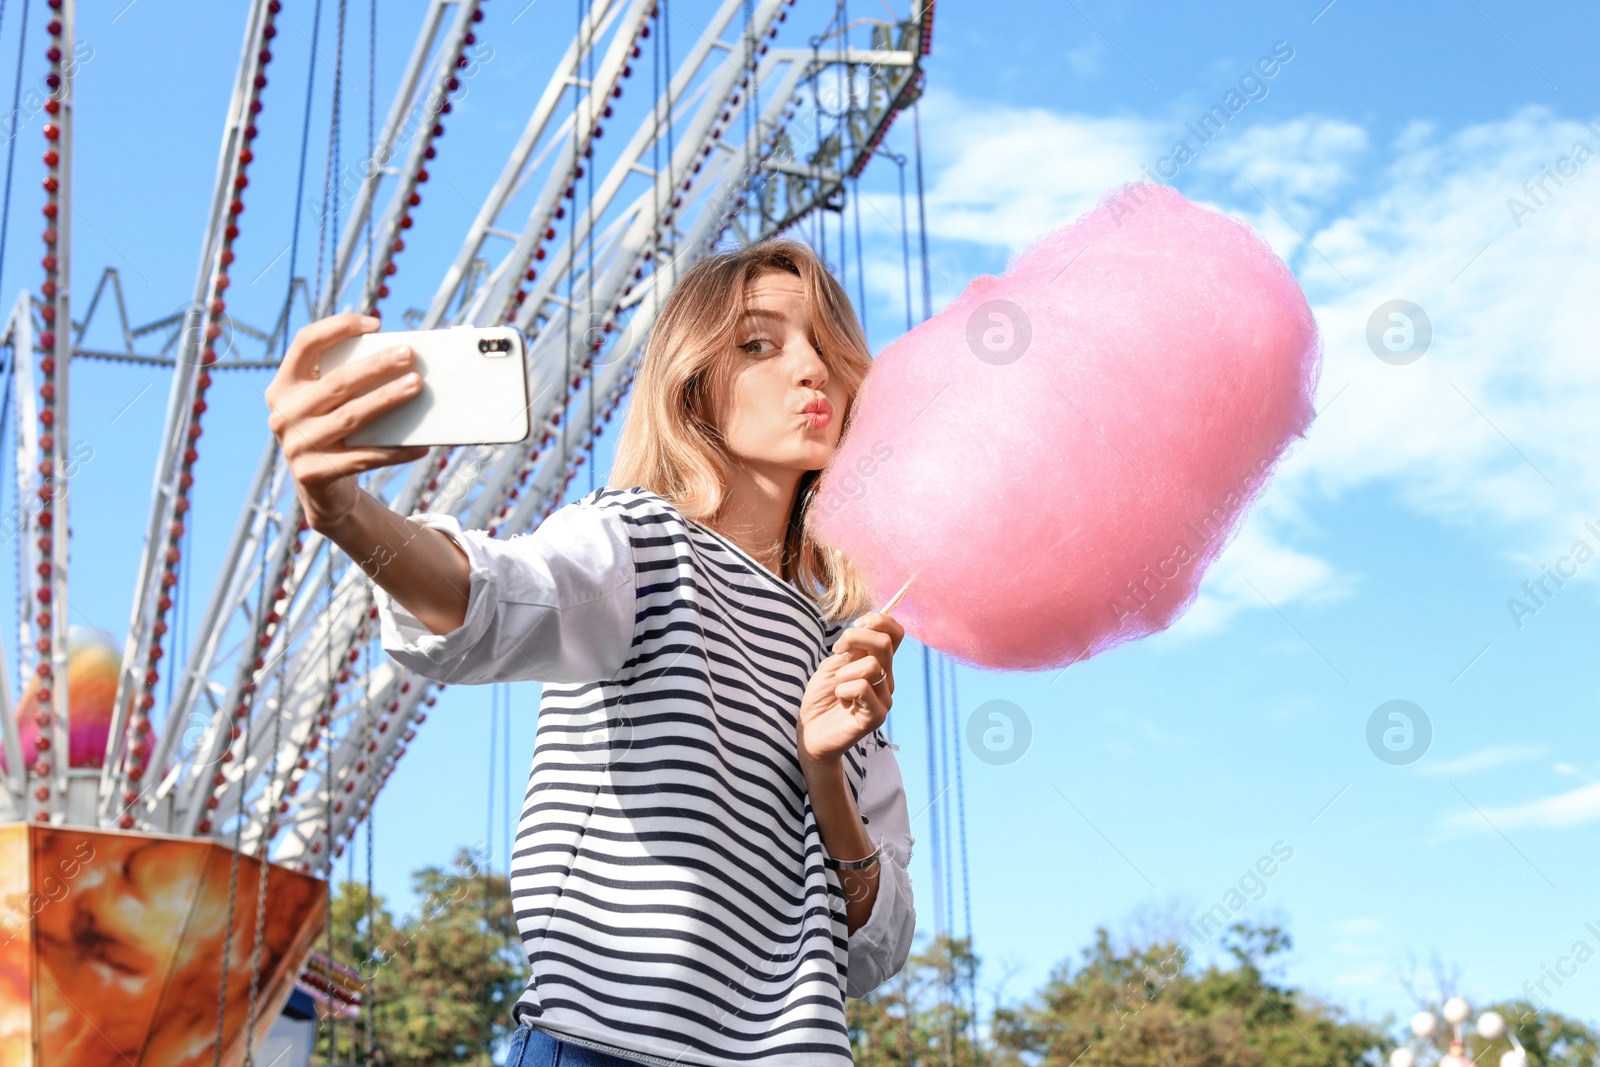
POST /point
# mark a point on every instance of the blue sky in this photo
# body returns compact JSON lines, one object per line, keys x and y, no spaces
{"x":1378,"y":162}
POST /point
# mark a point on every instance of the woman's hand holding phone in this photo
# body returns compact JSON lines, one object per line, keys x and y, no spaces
{"x":311,"y":415}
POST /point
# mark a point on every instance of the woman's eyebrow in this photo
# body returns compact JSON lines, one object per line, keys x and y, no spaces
{"x":764,"y":313}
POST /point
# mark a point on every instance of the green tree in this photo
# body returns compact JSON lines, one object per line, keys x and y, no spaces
{"x":1149,"y":1006}
{"x":1152,"y":1006}
{"x":441,"y":979}
{"x":923,"y":1015}
{"x":1549,"y":1038}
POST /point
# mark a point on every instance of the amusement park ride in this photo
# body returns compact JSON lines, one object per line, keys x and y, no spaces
{"x":217,"y":802}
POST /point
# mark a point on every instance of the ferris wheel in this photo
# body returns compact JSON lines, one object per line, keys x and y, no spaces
{"x":284,"y":721}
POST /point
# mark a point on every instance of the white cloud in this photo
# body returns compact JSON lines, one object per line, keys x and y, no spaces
{"x":1304,"y":161}
{"x":1483,"y":759}
{"x":1086,"y":60}
{"x":1258,"y":570}
{"x":1490,"y":430}
{"x":1373,"y":977}
{"x":1572,"y":808}
{"x":1504,"y":397}
{"x":1001,"y":176}
{"x":1151,"y":732}
{"x":1293,"y":707}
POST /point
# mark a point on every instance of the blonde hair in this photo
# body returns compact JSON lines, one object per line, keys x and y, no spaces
{"x":670,"y":443}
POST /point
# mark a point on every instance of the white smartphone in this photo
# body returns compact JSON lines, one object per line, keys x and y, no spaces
{"x":474,"y":386}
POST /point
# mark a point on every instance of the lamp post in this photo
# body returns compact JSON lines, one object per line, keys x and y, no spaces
{"x":1490,"y":1026}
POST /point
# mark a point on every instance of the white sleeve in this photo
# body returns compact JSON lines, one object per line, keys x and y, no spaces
{"x":556,"y":605}
{"x":880,"y":947}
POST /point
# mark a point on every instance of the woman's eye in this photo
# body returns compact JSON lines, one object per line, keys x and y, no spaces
{"x":749,"y":346}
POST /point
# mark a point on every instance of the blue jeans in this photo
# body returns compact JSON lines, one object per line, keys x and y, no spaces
{"x":535,"y":1048}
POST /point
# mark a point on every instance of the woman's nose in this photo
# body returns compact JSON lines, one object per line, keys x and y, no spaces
{"x":813,"y":369}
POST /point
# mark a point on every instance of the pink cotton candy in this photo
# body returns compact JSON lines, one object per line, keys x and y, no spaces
{"x":1060,"y":454}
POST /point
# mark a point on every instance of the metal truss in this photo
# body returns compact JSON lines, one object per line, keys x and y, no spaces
{"x":285,"y":711}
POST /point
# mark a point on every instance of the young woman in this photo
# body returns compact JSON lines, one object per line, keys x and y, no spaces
{"x":712,"y":852}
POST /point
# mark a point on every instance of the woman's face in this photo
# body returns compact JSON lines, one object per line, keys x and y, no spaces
{"x":771,"y":421}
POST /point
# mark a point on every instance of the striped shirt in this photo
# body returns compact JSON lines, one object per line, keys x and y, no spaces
{"x":668,"y":875}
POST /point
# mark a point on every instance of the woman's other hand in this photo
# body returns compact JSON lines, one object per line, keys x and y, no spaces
{"x":312,"y":414}
{"x":850,"y":694}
